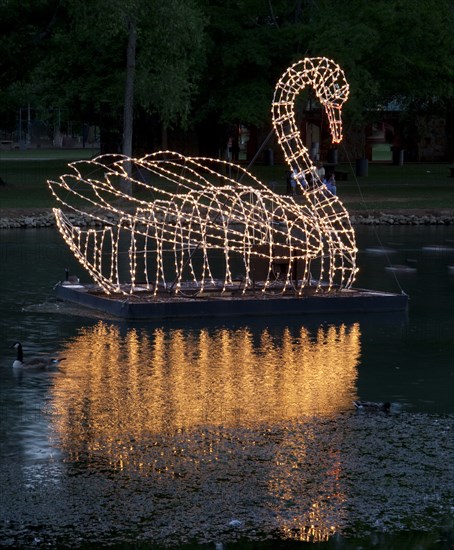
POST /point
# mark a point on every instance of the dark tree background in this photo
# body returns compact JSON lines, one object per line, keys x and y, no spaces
{"x":201,"y":66}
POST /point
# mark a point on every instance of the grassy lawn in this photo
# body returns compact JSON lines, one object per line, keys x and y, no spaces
{"x":26,"y":173}
{"x":412,"y":186}
{"x":387,"y":187}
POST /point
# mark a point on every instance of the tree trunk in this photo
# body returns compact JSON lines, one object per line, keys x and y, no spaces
{"x":128,"y":112}
{"x":164,"y":141}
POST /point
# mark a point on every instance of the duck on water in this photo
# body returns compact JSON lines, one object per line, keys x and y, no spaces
{"x":371,"y":406}
{"x":37,"y":362}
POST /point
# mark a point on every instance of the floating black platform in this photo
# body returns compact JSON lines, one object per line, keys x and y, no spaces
{"x":145,"y":305}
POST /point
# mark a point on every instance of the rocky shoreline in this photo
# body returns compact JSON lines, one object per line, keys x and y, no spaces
{"x":34,"y":219}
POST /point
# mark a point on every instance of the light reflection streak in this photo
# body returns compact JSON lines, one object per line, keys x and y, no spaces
{"x":314,"y":470}
{"x":170,"y":402}
{"x":185,"y":378}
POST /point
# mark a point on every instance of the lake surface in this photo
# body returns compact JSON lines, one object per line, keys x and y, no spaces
{"x":234,"y":433}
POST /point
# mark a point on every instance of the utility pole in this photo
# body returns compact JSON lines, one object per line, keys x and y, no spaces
{"x":128,"y":110}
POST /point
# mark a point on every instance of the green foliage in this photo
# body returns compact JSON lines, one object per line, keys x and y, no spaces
{"x":250,"y":43}
{"x":200,"y":60}
{"x":81,"y":64}
{"x":170,"y":57}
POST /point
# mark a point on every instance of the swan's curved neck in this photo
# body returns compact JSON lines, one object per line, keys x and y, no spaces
{"x":290,"y":85}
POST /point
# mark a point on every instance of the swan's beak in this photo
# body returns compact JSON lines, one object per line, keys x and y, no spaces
{"x":334,"y":113}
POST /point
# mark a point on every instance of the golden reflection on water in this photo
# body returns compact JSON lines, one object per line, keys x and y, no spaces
{"x":176,"y":403}
{"x":166,"y":380}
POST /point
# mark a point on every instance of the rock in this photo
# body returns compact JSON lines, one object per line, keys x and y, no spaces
{"x":12,"y":221}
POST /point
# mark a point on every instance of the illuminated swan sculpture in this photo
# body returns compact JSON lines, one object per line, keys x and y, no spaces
{"x":331,"y":88}
{"x":198,"y":223}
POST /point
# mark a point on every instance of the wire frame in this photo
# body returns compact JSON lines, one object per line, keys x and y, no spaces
{"x":195,"y":224}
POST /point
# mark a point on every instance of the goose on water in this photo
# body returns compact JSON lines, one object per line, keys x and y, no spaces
{"x":371,"y":406}
{"x":37,"y":362}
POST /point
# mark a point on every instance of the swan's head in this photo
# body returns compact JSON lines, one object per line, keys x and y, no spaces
{"x":332,"y":89}
{"x":334,"y":113}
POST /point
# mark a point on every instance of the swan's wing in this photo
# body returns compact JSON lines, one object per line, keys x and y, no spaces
{"x":184,"y":205}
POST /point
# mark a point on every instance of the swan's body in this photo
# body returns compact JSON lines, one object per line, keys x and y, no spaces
{"x":193,"y":215}
{"x":191,"y":212}
{"x":37,"y":363}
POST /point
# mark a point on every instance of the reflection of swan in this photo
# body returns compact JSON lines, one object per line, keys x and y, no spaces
{"x":189,"y":221}
{"x":185,"y":414}
{"x":192,"y":377}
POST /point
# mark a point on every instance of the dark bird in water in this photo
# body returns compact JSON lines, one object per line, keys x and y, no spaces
{"x":371,"y":406}
{"x":38,"y":362}
{"x":71,"y":279}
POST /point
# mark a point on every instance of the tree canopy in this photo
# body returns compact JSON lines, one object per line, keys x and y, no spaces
{"x":211,"y":60}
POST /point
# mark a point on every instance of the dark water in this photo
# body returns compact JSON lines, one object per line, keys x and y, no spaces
{"x":230,"y":434}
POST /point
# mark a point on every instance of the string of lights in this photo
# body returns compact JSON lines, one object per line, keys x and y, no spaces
{"x":328,"y":82}
{"x":208,"y":223}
